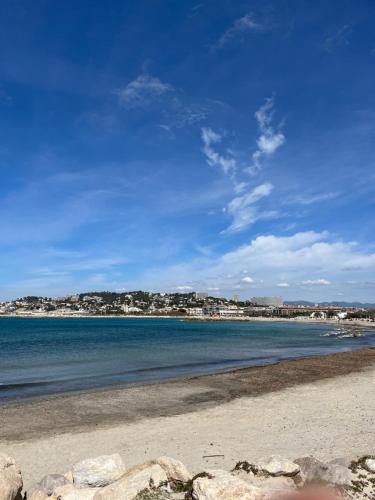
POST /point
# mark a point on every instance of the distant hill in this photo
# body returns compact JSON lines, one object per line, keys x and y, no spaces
{"x":326,"y":304}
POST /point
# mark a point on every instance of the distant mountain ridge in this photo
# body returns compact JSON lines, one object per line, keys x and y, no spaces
{"x":326,"y":304}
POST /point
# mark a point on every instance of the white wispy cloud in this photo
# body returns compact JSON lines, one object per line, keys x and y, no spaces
{"x":213,"y":158}
{"x":183,"y":114}
{"x":240,"y":28}
{"x":143,"y":90}
{"x":311,"y":198}
{"x":239,"y":187}
{"x":247,"y":279}
{"x":317,"y":282}
{"x":283,"y":285}
{"x":243,"y":210}
{"x":269,"y":140}
{"x":171,"y":106}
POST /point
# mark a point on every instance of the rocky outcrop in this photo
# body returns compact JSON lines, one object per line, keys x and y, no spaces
{"x":174,"y":469}
{"x":314,"y":471}
{"x":10,"y":479}
{"x":163,"y":478}
{"x":274,"y":484}
{"x":278,"y":466}
{"x":369,"y":465}
{"x":40,"y":495}
{"x":221,"y":485}
{"x":50,"y":482}
{"x":70,"y":492}
{"x":134,"y":482}
{"x":98,"y":472}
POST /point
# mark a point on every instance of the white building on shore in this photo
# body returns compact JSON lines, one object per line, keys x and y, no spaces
{"x":222,"y":311}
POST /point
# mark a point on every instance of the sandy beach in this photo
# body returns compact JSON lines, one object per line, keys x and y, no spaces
{"x":322,"y":405}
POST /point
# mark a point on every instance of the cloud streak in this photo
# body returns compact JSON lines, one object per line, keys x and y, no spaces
{"x":171,"y":106}
{"x":317,"y":282}
{"x":242,"y":208}
{"x":239,"y":29}
{"x":269,"y":141}
{"x":213,"y":158}
{"x":311,"y":198}
{"x":243,"y":211}
{"x":142,"y":91}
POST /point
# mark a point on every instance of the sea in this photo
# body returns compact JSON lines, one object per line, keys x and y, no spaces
{"x":41,"y":356}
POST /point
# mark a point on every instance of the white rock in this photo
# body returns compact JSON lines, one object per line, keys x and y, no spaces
{"x":50,"y":482}
{"x":278,"y":466}
{"x":337,"y":475}
{"x":175,"y":470}
{"x":40,"y":495}
{"x":274,"y":483}
{"x":69,"y":492}
{"x":224,"y":486}
{"x":134,"y":481}
{"x":370,"y":464}
{"x":312,"y":470}
{"x":99,"y":471}
{"x":10,"y":478}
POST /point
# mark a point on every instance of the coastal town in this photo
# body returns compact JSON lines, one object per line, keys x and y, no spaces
{"x":193,"y":305}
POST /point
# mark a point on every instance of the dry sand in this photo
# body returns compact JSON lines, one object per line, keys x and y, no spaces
{"x":322,"y":406}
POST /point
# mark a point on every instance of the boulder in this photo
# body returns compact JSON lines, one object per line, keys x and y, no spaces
{"x":175,"y":470}
{"x":314,"y":471}
{"x":344,"y":461}
{"x":278,"y":466}
{"x":133,"y":482}
{"x":276,"y":484}
{"x":10,"y":478}
{"x":310,"y":468}
{"x":369,"y":465}
{"x":50,"y":482}
{"x":337,"y":475}
{"x":97,"y":472}
{"x":40,"y":495}
{"x":221,"y":485}
{"x":69,"y":492}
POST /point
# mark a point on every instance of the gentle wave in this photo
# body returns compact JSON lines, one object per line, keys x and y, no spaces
{"x":139,"y":371}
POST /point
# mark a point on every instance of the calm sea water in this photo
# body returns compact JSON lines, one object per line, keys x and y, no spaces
{"x":41,"y":356}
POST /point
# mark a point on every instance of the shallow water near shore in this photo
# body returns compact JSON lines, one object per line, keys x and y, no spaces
{"x":50,"y":355}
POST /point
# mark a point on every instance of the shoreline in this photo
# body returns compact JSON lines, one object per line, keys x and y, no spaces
{"x":107,"y":406}
{"x":337,"y":322}
{"x":321,"y":406}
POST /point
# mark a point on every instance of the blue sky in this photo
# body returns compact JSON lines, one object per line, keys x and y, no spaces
{"x":191,"y":145}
